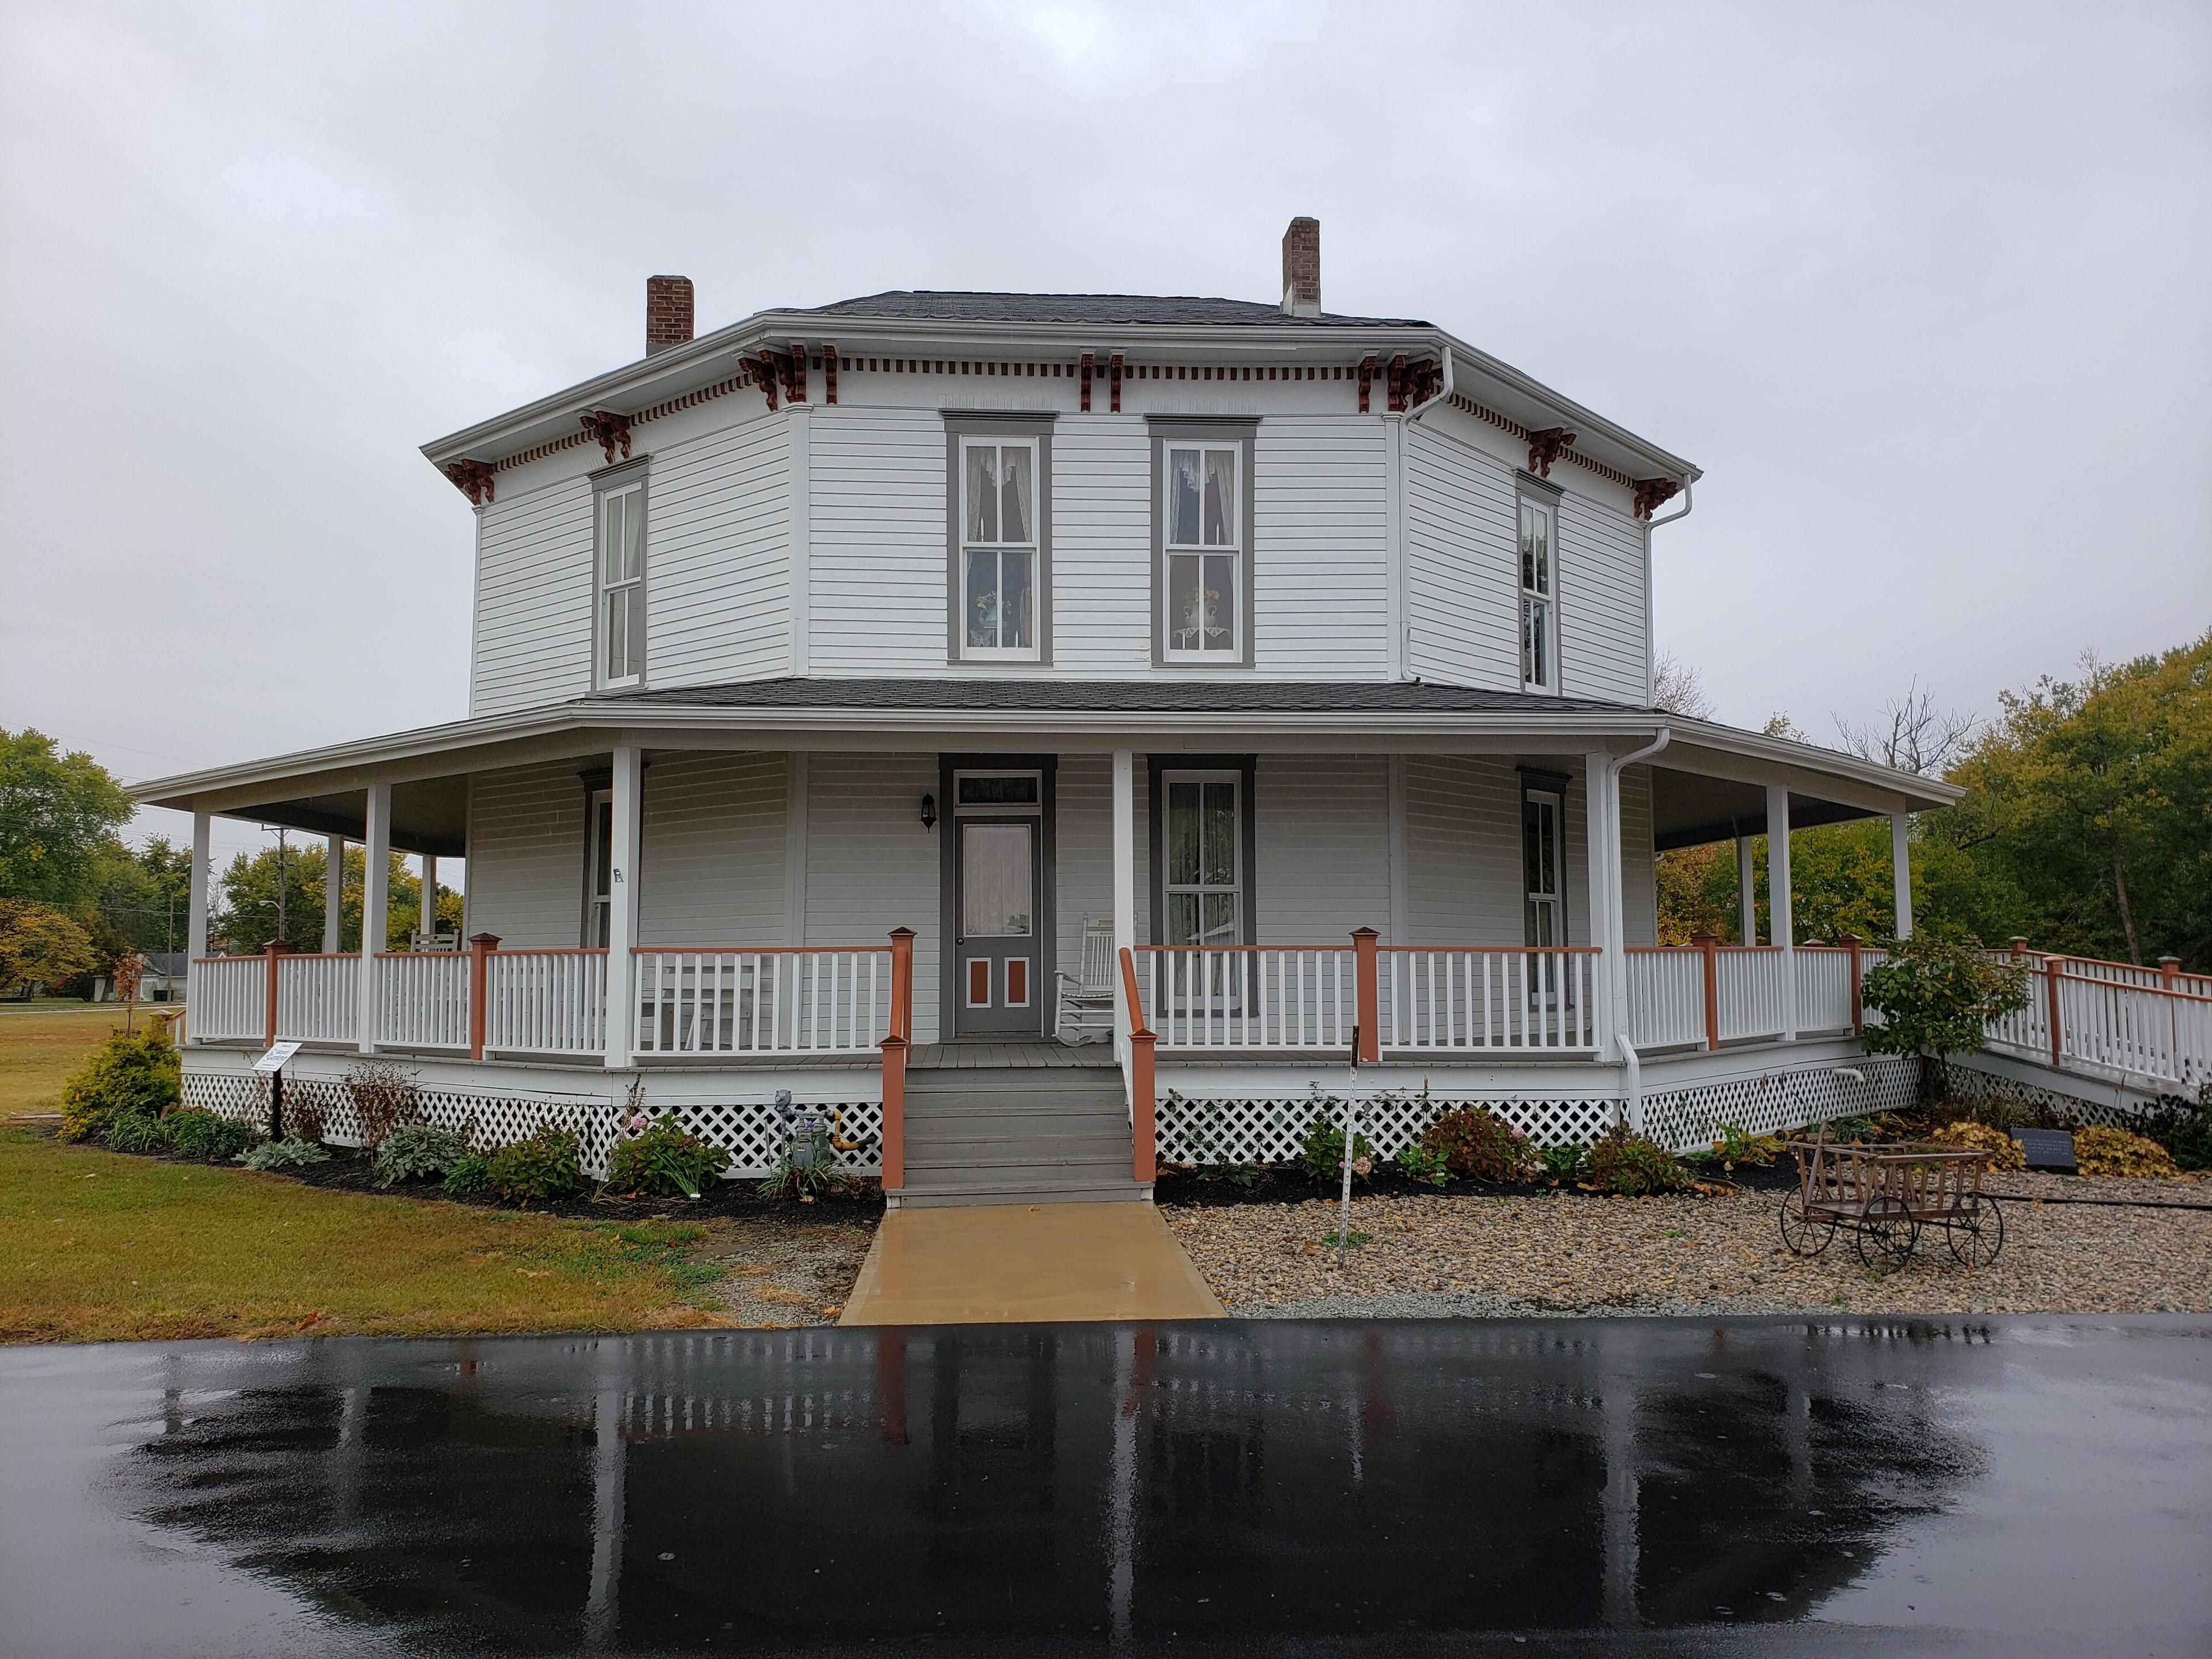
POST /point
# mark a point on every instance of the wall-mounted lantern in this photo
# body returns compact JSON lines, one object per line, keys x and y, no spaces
{"x":929,"y":811}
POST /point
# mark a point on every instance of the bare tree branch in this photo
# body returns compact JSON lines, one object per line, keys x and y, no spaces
{"x":1914,"y":735}
{"x":1679,"y":689}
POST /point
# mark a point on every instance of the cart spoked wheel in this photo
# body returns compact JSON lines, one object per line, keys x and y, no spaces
{"x":1979,"y":1239}
{"x":1885,"y":1239}
{"x":1806,"y":1232}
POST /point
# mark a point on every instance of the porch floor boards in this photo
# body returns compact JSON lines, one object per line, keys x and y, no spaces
{"x":1010,"y":1056}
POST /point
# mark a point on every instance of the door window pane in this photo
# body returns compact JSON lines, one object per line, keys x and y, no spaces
{"x":996,"y":882}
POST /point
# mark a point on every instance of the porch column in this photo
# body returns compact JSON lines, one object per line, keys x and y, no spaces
{"x":1125,"y":880}
{"x":621,"y":908}
{"x":1777,"y":900}
{"x":1900,"y":864}
{"x":333,"y":894}
{"x":429,"y":925}
{"x":375,"y":898}
{"x":196,"y":916}
{"x":1602,"y":816}
{"x":1747,"y":891}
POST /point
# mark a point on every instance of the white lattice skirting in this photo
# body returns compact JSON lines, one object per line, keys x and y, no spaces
{"x":744,"y":1121}
{"x":1215,"y":1129}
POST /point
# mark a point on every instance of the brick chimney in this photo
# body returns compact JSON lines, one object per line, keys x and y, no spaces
{"x":1301,"y":269}
{"x":668,"y":312}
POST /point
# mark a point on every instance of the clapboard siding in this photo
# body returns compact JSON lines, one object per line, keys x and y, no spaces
{"x":870,"y":865}
{"x":876,"y":570}
{"x":1322,"y":857}
{"x":532,"y":638}
{"x":1321,"y":548}
{"x":1462,"y":595}
{"x":711,"y":850}
{"x":1462,"y":850}
{"x":526,"y":864}
{"x":718,"y":522}
{"x":1082,"y":852}
{"x":1639,"y":874}
{"x":1601,"y":604}
{"x":1102,"y":507}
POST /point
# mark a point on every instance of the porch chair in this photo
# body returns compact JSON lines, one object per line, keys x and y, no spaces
{"x":1086,"y":1001}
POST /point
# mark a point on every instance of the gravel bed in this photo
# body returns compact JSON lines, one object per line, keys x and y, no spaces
{"x":778,"y":1274}
{"x":1573,"y":1253}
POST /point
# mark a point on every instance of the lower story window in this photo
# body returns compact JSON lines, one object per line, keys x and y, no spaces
{"x":1205,"y":888}
{"x":596,"y":928}
{"x":1540,"y":863}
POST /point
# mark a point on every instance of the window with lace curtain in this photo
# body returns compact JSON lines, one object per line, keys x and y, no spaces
{"x":1202,"y":509}
{"x":998,"y":502}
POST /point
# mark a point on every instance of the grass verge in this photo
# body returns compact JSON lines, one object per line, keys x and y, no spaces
{"x":42,"y":1044}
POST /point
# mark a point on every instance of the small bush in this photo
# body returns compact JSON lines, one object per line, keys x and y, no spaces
{"x":1233,"y":1173}
{"x":1480,"y":1146}
{"x":384,"y":1096}
{"x":2005,"y":1152}
{"x":1564,"y":1162}
{"x":136,"y":1132}
{"x":290,"y":1153}
{"x":666,"y":1158}
{"x":2185,"y":1129}
{"x":1419,"y":1164}
{"x":1320,"y":1153}
{"x":470,"y":1175}
{"x":304,"y":1117}
{"x":197,"y":1133}
{"x":2104,"y":1151}
{"x":137,"y":1072}
{"x":1629,"y":1163}
{"x":416,"y":1151}
{"x":1853,"y":1128}
{"x":545,"y":1166}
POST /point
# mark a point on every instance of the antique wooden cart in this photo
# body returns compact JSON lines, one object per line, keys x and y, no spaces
{"x":1885,"y":1195}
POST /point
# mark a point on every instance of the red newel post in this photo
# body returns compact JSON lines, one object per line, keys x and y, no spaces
{"x":1709,"y":946}
{"x":277,"y":948}
{"x":481,"y":945}
{"x":2054,"y":968}
{"x":1367,"y":965}
{"x":1853,"y":942}
{"x":2169,"y":970}
{"x":1144,"y":1134}
{"x":895,"y":1047}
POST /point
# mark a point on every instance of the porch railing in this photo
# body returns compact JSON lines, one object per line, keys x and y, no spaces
{"x":1244,"y":996}
{"x":422,"y":999}
{"x":1483,"y":1001}
{"x":1666,"y":996}
{"x":1826,"y":988}
{"x":2112,"y":1019}
{"x":787,"y":1001}
{"x":226,"y":997}
{"x":546,"y":1002}
{"x":319,"y":998}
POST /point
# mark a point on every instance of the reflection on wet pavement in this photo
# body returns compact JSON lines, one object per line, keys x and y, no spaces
{"x":2028,"y":1483}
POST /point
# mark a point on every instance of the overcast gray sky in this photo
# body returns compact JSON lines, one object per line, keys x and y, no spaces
{"x":1924,"y":288}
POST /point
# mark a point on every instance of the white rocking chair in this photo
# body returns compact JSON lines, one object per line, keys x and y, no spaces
{"x":1086,"y":1001}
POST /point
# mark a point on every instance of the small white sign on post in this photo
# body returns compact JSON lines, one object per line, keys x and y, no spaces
{"x":275,"y":1058}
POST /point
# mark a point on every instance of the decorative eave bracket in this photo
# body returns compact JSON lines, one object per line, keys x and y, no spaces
{"x":1545,"y":446}
{"x":474,"y":479}
{"x":610,"y":430}
{"x":1652,"y":494}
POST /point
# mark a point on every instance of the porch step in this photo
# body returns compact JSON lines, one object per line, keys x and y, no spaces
{"x":1018,"y":1134}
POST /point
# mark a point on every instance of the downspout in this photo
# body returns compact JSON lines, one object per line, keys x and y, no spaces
{"x":1617,"y":947}
{"x":1401,"y":578}
{"x":1650,"y":632}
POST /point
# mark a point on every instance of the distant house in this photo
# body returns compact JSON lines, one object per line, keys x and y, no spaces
{"x":162,"y":979}
{"x":869,"y":698}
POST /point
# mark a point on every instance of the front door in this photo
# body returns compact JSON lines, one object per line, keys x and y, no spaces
{"x":998,"y":865}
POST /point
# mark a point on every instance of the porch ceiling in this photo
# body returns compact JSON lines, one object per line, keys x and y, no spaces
{"x":428,"y":816}
{"x":1689,"y":809}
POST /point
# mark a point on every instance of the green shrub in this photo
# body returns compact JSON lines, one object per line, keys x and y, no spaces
{"x":1419,"y":1164}
{"x":136,"y":1132}
{"x":1564,"y":1162}
{"x":665,"y":1159}
{"x":1733,"y":1146}
{"x":291,"y":1153}
{"x":470,"y":1175}
{"x":545,"y":1166}
{"x":416,"y":1151}
{"x":1624,"y":1163}
{"x":197,"y":1133}
{"x":2184,"y":1128}
{"x":1935,"y":996}
{"x":1234,"y":1173}
{"x":1320,"y":1153}
{"x":1478,"y":1145}
{"x":135,"y":1072}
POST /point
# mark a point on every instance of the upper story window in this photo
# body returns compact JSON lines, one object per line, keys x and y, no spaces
{"x":1203,"y":513}
{"x":998,"y":500}
{"x":999,"y":548}
{"x":619,"y":621}
{"x":1539,"y":618}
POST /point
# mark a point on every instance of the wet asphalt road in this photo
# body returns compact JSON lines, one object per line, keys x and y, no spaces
{"x":1861,"y":1486}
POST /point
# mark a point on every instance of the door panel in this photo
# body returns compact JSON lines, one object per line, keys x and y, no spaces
{"x":997,"y":868}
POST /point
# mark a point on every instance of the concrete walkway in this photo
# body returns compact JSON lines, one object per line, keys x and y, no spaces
{"x":990,"y":1264}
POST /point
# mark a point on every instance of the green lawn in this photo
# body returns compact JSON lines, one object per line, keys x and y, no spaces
{"x":96,"y":1246}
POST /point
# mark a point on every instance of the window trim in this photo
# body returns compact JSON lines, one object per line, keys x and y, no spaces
{"x":999,"y":426}
{"x":1553,"y":787}
{"x":1158,"y":769}
{"x":1220,"y":431}
{"x":613,"y":481}
{"x":1531,"y":491}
